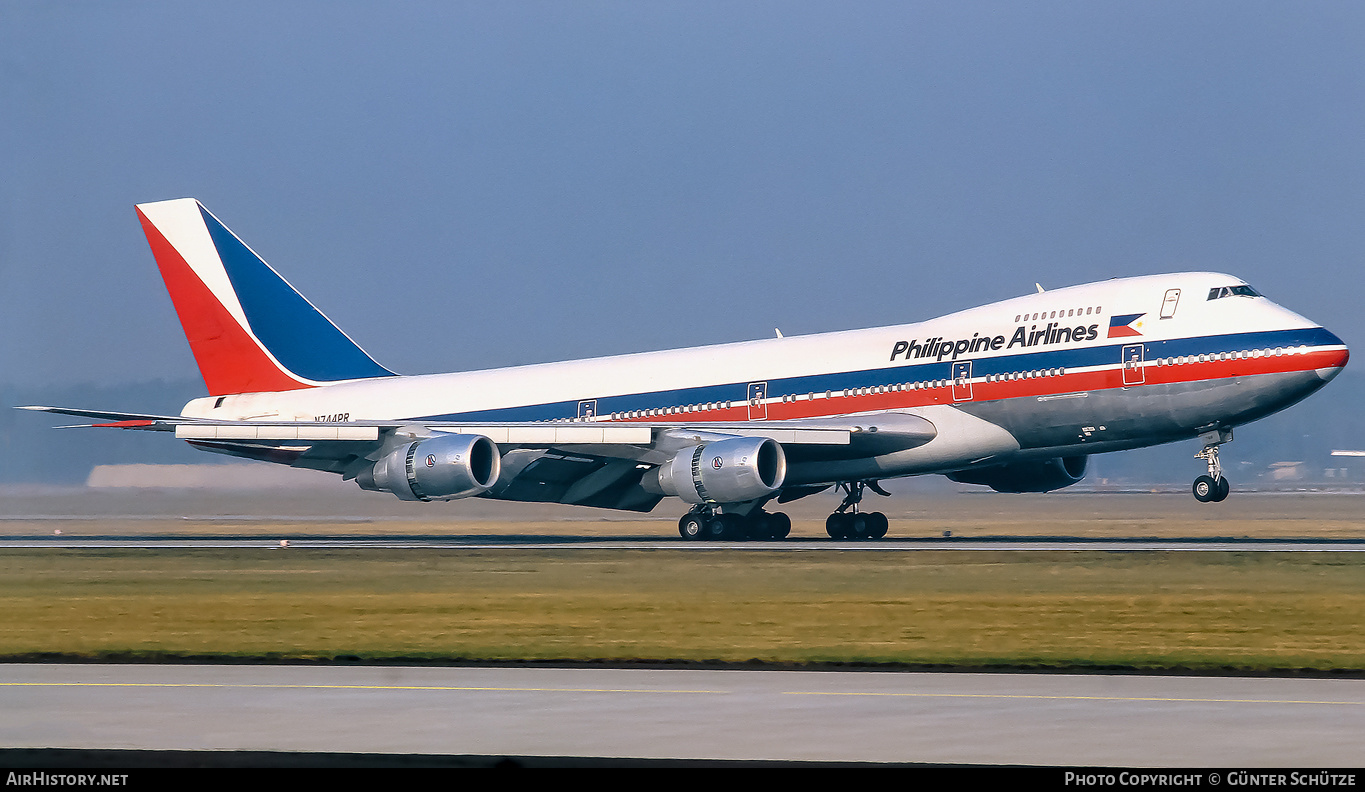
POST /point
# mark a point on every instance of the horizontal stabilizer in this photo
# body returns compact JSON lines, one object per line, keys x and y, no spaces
{"x":119,"y":420}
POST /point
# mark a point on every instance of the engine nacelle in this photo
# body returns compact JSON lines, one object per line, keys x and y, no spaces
{"x":444,"y":467}
{"x":725,"y":471}
{"x":1032,"y":476}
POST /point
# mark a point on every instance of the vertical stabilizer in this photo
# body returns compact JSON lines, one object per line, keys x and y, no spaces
{"x":249,"y":330}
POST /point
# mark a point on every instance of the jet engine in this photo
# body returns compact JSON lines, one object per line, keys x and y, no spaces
{"x":725,"y":471}
{"x":444,"y":467}
{"x":1031,"y":476}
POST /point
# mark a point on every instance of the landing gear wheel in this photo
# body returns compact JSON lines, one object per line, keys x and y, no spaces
{"x":770,"y":527}
{"x":781,"y":526}
{"x":728,"y":527}
{"x":849,"y":523}
{"x":1223,"y":489}
{"x":692,"y":527}
{"x":1212,"y":488}
{"x":1206,"y":489}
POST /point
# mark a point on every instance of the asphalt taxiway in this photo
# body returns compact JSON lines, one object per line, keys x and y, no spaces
{"x":955,"y":718}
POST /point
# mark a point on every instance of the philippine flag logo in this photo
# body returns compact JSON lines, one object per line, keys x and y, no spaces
{"x":1126,"y":325}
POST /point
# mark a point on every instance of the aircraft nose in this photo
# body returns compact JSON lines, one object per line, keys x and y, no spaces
{"x":1336,"y":355}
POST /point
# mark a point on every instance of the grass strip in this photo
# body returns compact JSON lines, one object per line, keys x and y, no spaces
{"x":1225,"y":610}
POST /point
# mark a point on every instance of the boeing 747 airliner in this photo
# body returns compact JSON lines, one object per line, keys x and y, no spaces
{"x":1013,"y":396}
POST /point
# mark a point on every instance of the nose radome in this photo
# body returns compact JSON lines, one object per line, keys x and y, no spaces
{"x":1328,"y":373}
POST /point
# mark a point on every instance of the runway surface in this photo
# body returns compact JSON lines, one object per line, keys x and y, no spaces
{"x":1030,"y":719}
{"x":541,"y":542}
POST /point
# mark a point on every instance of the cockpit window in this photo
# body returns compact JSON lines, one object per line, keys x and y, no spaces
{"x":1232,"y":291}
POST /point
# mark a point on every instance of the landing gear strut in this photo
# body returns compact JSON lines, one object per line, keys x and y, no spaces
{"x":848,"y":523}
{"x":1212,"y":488}
{"x":703,"y":523}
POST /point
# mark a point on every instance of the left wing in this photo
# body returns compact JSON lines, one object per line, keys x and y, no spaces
{"x":594,"y":463}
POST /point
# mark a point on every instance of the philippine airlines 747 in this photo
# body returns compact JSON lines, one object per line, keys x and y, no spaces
{"x":1014,"y":396}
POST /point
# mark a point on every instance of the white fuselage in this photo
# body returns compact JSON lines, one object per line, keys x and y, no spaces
{"x":1047,"y":373}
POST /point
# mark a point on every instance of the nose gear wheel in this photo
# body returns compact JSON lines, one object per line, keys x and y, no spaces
{"x":1212,"y":488}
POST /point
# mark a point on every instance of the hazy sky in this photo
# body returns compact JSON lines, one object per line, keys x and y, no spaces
{"x":463,"y":185}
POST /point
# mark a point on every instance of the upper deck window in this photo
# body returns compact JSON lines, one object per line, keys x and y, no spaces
{"x":1232,"y":291}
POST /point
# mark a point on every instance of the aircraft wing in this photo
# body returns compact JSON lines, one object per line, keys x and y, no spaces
{"x":903,"y":429}
{"x":595,"y":463}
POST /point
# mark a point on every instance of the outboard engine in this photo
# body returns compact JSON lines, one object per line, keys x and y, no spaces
{"x":725,"y":471}
{"x":1034,"y":476}
{"x":444,"y":467}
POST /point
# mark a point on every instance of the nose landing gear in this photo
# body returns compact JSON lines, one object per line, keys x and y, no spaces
{"x":1212,"y":488}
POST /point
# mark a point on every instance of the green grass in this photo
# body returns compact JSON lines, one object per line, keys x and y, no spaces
{"x":1250,"y":611}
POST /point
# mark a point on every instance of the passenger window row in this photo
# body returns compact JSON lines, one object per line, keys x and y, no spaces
{"x":659,"y":412}
{"x":923,"y":385}
{"x":1022,"y":375}
{"x":1245,"y":354}
{"x":1059,"y":314}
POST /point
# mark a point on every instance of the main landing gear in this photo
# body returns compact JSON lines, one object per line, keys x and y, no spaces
{"x":702,"y":523}
{"x":846,"y":524}
{"x":1212,"y":488}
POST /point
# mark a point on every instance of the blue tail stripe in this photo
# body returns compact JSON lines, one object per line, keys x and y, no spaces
{"x":297,"y":334}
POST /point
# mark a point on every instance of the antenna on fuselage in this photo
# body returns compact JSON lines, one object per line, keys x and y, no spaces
{"x":1040,"y":288}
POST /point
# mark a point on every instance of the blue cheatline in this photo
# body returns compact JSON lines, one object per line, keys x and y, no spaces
{"x":296,"y":333}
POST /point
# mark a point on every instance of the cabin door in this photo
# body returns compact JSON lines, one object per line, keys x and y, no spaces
{"x":758,"y":406}
{"x":962,"y":381}
{"x":1134,"y":373}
